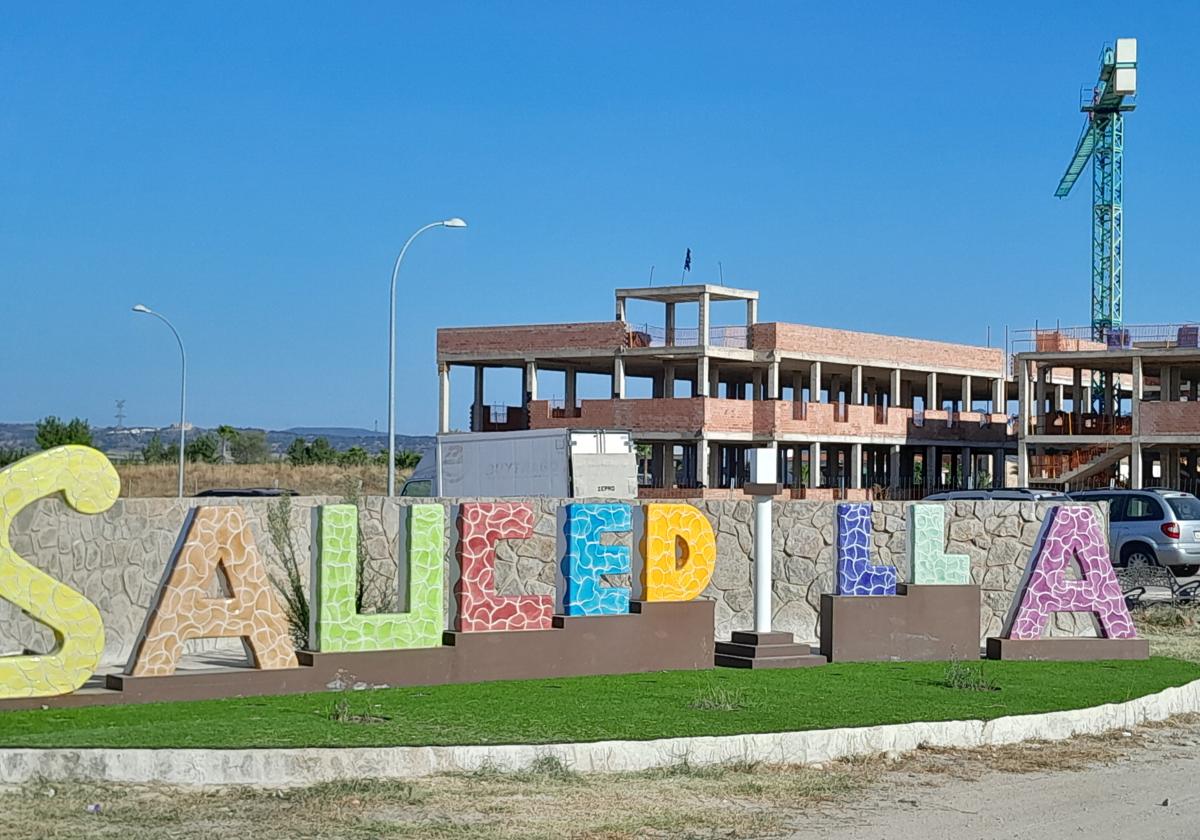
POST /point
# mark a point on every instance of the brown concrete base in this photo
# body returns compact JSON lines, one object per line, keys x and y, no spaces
{"x":918,"y":623}
{"x":765,"y":650}
{"x":1067,"y":649}
{"x":652,"y":637}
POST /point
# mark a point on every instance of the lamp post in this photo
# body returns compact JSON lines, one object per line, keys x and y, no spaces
{"x":145,"y":310}
{"x":391,"y":430}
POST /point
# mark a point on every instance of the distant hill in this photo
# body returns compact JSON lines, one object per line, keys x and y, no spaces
{"x":128,"y":442}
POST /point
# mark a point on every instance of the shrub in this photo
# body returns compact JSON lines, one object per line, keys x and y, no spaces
{"x":291,"y":586}
{"x":52,"y":432}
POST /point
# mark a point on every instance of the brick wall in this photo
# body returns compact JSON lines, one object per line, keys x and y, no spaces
{"x":532,"y":338}
{"x":875,"y":349}
{"x":1169,"y":418}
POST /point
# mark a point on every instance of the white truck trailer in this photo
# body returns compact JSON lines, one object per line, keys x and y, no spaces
{"x":558,"y":463}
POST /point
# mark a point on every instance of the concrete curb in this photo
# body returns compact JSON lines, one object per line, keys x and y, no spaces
{"x":300,"y":767}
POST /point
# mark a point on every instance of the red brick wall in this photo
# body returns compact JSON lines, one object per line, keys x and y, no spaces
{"x":882,"y":349}
{"x":519,"y":340}
{"x":1169,"y":418}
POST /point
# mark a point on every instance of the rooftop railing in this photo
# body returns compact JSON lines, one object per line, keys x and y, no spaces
{"x":650,"y":335}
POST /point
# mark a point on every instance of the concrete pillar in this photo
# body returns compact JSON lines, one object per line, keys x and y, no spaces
{"x":968,"y":458}
{"x":835,"y":389}
{"x":797,"y":387}
{"x":714,"y":382}
{"x":669,"y":326}
{"x":1041,"y":375}
{"x":702,"y":463}
{"x":618,"y":378}
{"x":620,"y":309}
{"x":530,"y":381}
{"x":894,"y":395}
{"x":751,"y":313}
{"x":658,"y":464}
{"x":931,"y":467}
{"x":756,"y":385}
{"x":1087,"y":393}
{"x":477,"y":403}
{"x":814,"y":463}
{"x":814,"y":383}
{"x":1059,"y":397}
{"x":702,"y":322}
{"x":999,"y":468}
{"x":703,"y":388}
{"x":1077,"y":406}
{"x":856,"y":386}
{"x":893,"y":471}
{"x":856,"y":466}
{"x":999,"y":398}
{"x":572,"y":378}
{"x":443,"y":398}
{"x":773,"y":380}
{"x":931,"y":394}
{"x":1135,"y":466}
{"x":1138,"y":386}
{"x":1110,"y":395}
{"x":966,"y":393}
{"x":668,"y":388}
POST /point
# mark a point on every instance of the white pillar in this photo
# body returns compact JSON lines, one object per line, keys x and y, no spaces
{"x":618,"y":378}
{"x":814,"y":384}
{"x":773,"y":380}
{"x":1024,"y":413}
{"x":702,"y":469}
{"x":702,"y":383}
{"x":968,"y":459}
{"x":702,"y":321}
{"x":966,"y":393}
{"x":443,"y":398}
{"x":856,"y":385}
{"x":999,"y":398}
{"x":1135,"y":465}
{"x":620,"y":309}
{"x":894,"y":392}
{"x":762,"y":563}
{"x":856,"y":465}
{"x":931,"y":399}
{"x":814,"y":462}
{"x":751,"y":313}
{"x":531,"y":391}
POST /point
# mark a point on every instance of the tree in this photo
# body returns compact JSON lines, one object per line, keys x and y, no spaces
{"x":155,"y":452}
{"x":227,"y":434}
{"x":355,"y":456}
{"x":52,"y":432}
{"x":203,"y":448}
{"x":11,"y":454}
{"x":303,"y":453}
{"x":250,"y":447}
{"x":406,"y":459}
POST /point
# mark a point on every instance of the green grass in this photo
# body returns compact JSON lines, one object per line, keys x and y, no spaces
{"x":639,"y":706}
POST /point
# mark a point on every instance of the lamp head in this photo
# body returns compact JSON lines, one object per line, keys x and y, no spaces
{"x":455,"y":223}
{"x":141,"y":308}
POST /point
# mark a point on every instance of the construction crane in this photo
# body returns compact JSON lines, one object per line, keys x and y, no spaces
{"x":1103,"y":141}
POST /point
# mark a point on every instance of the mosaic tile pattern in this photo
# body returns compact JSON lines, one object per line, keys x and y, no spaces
{"x":480,"y":526}
{"x":1072,"y":532}
{"x":89,"y":484}
{"x":679,"y":553}
{"x":855,"y":573}
{"x":337,"y":626}
{"x":587,"y":559}
{"x":218,"y":545}
{"x":926,"y":548}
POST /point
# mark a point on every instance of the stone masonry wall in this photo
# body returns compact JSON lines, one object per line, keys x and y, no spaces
{"x":117,"y":558}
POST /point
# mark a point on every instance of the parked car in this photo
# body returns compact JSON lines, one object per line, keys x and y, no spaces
{"x":1152,"y":527}
{"x":1010,"y":494}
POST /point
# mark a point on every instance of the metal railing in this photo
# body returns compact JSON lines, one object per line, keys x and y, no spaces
{"x":1066,"y":423}
{"x":652,"y":335}
{"x":1070,"y":339}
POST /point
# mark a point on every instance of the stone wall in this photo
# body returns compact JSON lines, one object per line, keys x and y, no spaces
{"x":117,"y":558}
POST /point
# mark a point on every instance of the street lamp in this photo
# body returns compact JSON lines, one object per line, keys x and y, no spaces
{"x":391,"y":431}
{"x":145,"y":310}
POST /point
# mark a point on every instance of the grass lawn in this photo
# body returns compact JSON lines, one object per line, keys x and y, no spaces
{"x":639,"y":706}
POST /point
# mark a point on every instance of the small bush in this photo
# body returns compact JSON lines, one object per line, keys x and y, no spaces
{"x":968,"y":676}
{"x":720,"y":698}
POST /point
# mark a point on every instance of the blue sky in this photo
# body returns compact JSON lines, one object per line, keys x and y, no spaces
{"x":250,"y":170}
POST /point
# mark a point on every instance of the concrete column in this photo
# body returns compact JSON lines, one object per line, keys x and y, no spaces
{"x":1077,"y":406}
{"x":1135,"y":466}
{"x":669,"y":326}
{"x":931,"y":394}
{"x":756,"y":385}
{"x":894,"y":465}
{"x":856,"y":466}
{"x":966,"y":393}
{"x":477,"y":404}
{"x":1138,"y":391}
{"x":751,"y":313}
{"x":1170,"y":471}
{"x":773,"y":380}
{"x":702,"y":465}
{"x":668,"y":387}
{"x":618,"y":378}
{"x":530,"y":380}
{"x":1087,"y":394}
{"x":968,"y":459}
{"x":931,"y":467}
{"x":703,"y":388}
{"x":894,"y":395}
{"x":999,"y":398}
{"x":1059,"y":397}
{"x":1110,"y":395}
{"x":572,"y":377}
{"x":999,"y":467}
{"x":714,"y":382}
{"x":814,"y":383}
{"x":835,"y":389}
{"x":814,"y":462}
{"x":797,"y":387}
{"x":443,"y":398}
{"x":1042,"y":374}
{"x":658,"y":465}
{"x":856,"y":386}
{"x":702,"y":322}
{"x":620,"y":309}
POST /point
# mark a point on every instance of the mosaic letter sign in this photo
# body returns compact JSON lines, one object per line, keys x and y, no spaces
{"x":89,"y":484}
{"x":1072,"y":531}
{"x":855,"y":573}
{"x":218,"y":546}
{"x":587,"y":559}
{"x":926,"y":548}
{"x":679,"y":553}
{"x":480,"y":526}
{"x":337,"y":625}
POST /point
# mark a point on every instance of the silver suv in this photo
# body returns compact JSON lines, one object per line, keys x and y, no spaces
{"x":1152,"y":527}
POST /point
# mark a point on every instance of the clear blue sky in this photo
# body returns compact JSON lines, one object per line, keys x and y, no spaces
{"x":251,"y":169}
